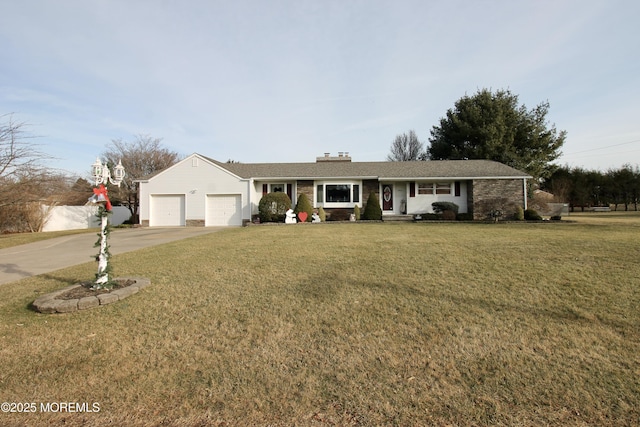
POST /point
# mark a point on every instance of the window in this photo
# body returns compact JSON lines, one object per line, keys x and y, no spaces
{"x":277,"y":188}
{"x":425,"y":188}
{"x":338,"y":195}
{"x":443,"y":188}
{"x":434,"y":188}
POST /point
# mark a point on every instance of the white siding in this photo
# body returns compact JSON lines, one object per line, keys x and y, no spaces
{"x":421,"y":203}
{"x":195,"y":178}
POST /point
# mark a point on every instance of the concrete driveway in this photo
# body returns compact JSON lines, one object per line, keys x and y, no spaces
{"x":42,"y":257}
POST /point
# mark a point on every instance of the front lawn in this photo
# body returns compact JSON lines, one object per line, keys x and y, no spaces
{"x":345,"y":324}
{"x":15,"y":239}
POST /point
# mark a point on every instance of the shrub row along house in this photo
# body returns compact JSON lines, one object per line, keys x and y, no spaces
{"x":200,"y":191}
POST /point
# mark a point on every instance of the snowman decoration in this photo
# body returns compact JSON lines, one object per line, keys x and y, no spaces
{"x":290,"y":217}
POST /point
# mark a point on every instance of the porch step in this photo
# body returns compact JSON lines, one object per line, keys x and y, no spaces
{"x":397,"y":217}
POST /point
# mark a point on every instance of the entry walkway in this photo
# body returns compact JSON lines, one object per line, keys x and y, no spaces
{"x":49,"y":255}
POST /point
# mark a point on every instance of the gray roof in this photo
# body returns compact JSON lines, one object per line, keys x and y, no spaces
{"x":433,"y":169}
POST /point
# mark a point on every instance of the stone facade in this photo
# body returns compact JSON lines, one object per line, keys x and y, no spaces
{"x":306,"y":188}
{"x":487,"y":195}
{"x":369,"y":186}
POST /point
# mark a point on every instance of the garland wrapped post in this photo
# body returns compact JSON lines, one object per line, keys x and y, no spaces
{"x":101,"y":197}
{"x":103,"y":276}
{"x":102,"y":175}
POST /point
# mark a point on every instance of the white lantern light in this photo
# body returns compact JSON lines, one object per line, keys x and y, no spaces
{"x":97,"y":170}
{"x":119,"y":173}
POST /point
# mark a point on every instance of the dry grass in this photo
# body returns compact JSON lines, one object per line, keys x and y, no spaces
{"x":346,"y":324}
{"x":15,"y":239}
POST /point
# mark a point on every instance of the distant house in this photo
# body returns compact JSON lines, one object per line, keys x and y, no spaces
{"x":200,"y":191}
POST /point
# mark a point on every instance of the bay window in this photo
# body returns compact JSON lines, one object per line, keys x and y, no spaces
{"x":343,"y":194}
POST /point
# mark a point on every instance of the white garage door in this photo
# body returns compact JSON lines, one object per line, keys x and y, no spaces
{"x":167,"y":210}
{"x":224,"y":210}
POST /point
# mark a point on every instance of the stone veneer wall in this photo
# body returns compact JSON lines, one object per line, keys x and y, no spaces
{"x":306,"y":188}
{"x":369,"y":186}
{"x":486,"y":195}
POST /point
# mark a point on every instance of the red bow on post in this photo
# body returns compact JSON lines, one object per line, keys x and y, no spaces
{"x":101,"y":195}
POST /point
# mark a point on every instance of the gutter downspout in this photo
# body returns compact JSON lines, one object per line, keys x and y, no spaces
{"x":249,"y":193}
{"x":524,"y":191}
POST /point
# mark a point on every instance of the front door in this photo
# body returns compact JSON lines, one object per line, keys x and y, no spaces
{"x":387,"y":197}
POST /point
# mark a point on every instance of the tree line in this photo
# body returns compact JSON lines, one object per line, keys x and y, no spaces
{"x":582,"y":188}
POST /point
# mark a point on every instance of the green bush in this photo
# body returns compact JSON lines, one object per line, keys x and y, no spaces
{"x":304,"y":205}
{"x":273,"y":207}
{"x":519,"y":215}
{"x":356,"y":212}
{"x":440,"y":207}
{"x":372,"y":210}
{"x":532,"y":215}
{"x":322,"y":214}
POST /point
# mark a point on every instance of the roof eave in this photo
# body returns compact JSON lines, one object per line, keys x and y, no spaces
{"x":309,"y":178}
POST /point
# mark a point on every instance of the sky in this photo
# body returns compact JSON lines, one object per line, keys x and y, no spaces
{"x":286,"y":81}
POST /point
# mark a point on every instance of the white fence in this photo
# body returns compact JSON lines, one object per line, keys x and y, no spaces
{"x":79,"y":217}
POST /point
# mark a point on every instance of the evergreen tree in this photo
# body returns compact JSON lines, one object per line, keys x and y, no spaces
{"x":493,"y":126}
{"x":304,"y":205}
{"x":372,"y":210}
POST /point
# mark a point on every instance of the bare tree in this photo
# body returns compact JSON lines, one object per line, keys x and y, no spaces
{"x":21,"y":172}
{"x":25,"y":184}
{"x":406,"y":147}
{"x":141,"y":157}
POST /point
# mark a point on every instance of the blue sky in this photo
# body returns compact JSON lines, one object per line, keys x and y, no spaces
{"x":267,"y":81}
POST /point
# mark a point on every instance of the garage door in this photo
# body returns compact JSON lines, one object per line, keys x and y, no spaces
{"x":224,"y":210}
{"x":167,"y":210}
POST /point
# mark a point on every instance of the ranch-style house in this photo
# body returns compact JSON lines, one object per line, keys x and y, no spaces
{"x":200,"y":191}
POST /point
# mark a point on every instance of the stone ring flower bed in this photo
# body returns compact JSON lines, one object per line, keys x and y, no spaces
{"x":80,"y":297}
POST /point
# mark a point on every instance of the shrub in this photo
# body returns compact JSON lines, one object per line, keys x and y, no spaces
{"x":304,"y":205}
{"x":372,"y":210}
{"x":322,"y":214}
{"x":339,"y":215}
{"x":532,"y":215}
{"x":556,"y":218}
{"x":356,"y":212}
{"x":440,"y":207}
{"x":519,"y":215}
{"x":273,"y":207}
{"x":448,"y":215}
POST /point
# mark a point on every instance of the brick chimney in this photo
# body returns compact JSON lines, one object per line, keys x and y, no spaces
{"x":343,"y":156}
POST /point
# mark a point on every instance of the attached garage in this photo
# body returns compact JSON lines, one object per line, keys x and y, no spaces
{"x":167,"y":210}
{"x":223,"y":210}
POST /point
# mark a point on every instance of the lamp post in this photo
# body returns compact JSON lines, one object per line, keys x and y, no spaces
{"x":101,"y":176}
